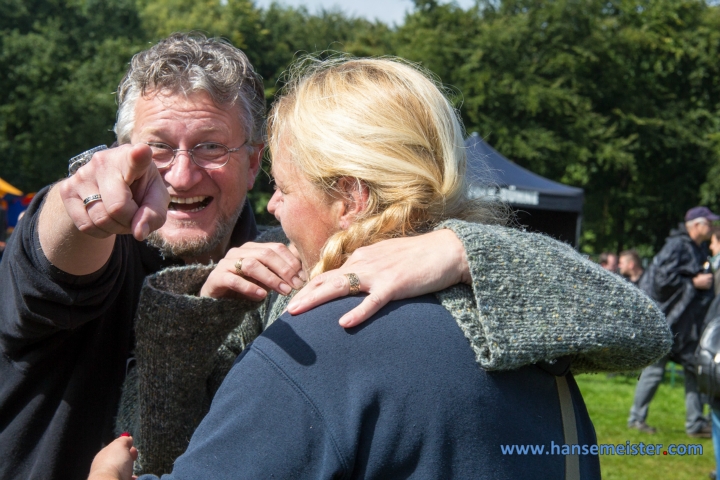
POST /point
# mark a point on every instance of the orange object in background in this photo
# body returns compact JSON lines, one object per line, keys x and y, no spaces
{"x":6,"y":188}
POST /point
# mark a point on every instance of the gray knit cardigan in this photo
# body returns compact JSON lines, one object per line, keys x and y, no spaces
{"x":532,"y":299}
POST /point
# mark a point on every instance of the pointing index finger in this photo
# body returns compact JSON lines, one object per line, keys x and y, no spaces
{"x":139,"y":159}
{"x":152,"y":210}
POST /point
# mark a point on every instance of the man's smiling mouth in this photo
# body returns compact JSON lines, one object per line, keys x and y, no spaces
{"x":189,"y":204}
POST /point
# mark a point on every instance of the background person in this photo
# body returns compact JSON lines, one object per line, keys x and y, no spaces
{"x":630,"y":266}
{"x":676,"y":281}
{"x":714,"y":247}
{"x":609,"y":261}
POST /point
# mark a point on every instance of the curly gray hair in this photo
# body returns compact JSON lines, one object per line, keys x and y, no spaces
{"x":187,"y":63}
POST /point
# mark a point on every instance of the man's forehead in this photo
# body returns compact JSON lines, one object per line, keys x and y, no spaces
{"x":171,"y":99}
{"x":159,"y":128}
{"x":156,"y":113}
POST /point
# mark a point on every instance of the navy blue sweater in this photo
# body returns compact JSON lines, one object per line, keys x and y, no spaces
{"x":398,"y":396}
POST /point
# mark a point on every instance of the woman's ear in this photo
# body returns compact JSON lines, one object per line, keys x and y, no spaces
{"x":354,"y":199}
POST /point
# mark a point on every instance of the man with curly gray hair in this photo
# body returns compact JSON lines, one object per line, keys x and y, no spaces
{"x":189,"y":128}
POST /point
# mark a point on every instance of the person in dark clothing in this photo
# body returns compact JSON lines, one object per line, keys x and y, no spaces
{"x":72,"y":273}
{"x":66,"y":341}
{"x":630,"y":267}
{"x":190,"y":118}
{"x":609,"y":261}
{"x":676,"y":280}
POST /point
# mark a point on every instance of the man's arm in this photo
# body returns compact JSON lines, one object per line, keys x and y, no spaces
{"x":177,"y":338}
{"x":39,"y":299}
{"x":526,"y":286}
{"x":537,"y":298}
{"x":703,"y":281}
{"x":261,"y":425}
{"x":78,"y":238}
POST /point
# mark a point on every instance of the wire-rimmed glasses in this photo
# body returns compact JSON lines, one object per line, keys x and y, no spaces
{"x":207,"y":155}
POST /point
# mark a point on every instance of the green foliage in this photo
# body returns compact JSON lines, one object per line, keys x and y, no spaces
{"x":235,"y":20}
{"x":61,"y":63}
{"x":288,"y":33}
{"x":436,"y":35}
{"x":616,"y":97}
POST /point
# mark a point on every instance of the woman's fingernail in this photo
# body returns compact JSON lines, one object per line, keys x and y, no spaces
{"x":125,"y":434}
{"x":303,"y":275}
{"x":285,"y":288}
{"x":297,"y":283}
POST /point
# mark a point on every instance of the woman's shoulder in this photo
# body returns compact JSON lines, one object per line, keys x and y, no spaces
{"x":413,"y":321}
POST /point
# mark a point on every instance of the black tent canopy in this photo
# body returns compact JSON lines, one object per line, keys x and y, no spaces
{"x":541,"y":205}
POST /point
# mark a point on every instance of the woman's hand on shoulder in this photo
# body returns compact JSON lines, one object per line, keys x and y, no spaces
{"x":390,"y":270}
{"x":252,"y":270}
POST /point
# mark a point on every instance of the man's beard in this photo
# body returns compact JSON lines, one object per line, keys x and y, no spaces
{"x":197,"y":245}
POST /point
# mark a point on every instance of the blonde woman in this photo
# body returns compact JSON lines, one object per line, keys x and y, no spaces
{"x":368,"y":150}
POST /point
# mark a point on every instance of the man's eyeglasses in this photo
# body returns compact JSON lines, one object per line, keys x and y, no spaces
{"x":209,"y":155}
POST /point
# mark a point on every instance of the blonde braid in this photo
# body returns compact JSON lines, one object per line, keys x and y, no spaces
{"x":386,"y":124}
{"x":389,"y":223}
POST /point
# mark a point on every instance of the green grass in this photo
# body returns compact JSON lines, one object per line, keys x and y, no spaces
{"x":608,"y":400}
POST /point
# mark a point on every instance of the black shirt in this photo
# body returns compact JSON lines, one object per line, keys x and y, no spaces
{"x":65,"y":341}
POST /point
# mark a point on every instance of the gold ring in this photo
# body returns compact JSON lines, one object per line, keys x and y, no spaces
{"x":92,"y":198}
{"x":238,"y":266}
{"x":354,"y":282}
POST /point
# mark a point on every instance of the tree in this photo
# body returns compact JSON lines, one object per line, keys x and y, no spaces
{"x":618,"y":97}
{"x":62,"y":62}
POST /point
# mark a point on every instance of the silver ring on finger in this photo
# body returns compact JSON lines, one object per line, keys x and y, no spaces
{"x":238,"y":266}
{"x":354,"y":282}
{"x":92,"y":198}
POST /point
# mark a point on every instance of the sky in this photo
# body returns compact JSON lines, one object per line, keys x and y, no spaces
{"x":387,"y":11}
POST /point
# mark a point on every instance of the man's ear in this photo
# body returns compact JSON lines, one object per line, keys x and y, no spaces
{"x":354,"y":199}
{"x":254,"y":162}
